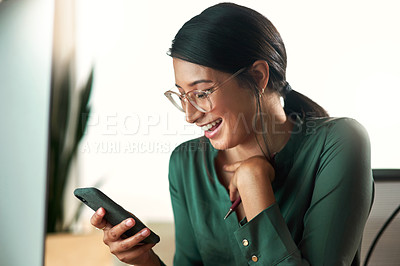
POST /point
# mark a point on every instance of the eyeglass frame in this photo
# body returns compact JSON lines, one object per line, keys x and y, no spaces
{"x":208,"y":92}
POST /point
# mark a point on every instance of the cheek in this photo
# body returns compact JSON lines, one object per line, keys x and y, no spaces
{"x":237,"y":110}
{"x":240,"y":116}
{"x":238,"y":121}
{"x":236,"y":101}
{"x":239,"y":124}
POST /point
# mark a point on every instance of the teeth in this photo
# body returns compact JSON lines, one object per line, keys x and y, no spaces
{"x":208,"y":126}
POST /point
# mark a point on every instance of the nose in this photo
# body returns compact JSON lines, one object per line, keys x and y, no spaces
{"x":192,"y":114}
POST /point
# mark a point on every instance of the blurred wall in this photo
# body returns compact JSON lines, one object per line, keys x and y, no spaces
{"x":342,"y":54}
{"x":25,"y":66}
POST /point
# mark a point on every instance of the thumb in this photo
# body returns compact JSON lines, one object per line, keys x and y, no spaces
{"x":233,"y":193}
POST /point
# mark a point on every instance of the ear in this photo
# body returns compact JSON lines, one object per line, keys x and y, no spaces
{"x":260,"y":72}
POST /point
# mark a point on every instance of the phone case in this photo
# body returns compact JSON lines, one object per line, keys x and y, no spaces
{"x":115,"y":214}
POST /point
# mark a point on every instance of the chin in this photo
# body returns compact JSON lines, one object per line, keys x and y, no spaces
{"x":229,"y":141}
{"x":219,"y":144}
{"x":223,"y":143}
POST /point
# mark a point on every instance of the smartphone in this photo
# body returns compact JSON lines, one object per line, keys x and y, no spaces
{"x":115,"y":214}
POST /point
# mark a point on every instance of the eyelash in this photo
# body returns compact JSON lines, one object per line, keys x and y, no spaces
{"x":205,"y":90}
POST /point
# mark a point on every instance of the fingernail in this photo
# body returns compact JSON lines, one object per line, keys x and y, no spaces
{"x":129,"y":222}
{"x":145,"y":232}
{"x":100,"y":211}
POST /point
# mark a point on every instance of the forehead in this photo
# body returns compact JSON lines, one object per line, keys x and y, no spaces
{"x":187,"y":73}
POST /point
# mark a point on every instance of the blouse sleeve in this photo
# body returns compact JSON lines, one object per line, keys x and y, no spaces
{"x":186,"y":251}
{"x":335,"y":219}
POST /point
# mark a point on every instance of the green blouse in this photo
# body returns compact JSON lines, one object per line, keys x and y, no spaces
{"x":323,"y":189}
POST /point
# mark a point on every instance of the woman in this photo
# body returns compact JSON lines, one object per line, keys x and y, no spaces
{"x":304,"y":179}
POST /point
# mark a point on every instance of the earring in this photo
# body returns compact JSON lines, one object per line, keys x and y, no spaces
{"x":262,"y":92}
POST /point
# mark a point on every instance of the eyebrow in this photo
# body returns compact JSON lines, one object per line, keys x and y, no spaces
{"x":197,"y":82}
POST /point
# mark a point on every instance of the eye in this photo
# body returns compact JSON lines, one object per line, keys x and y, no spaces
{"x":200,"y":95}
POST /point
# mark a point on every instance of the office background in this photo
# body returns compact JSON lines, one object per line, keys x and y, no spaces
{"x":342,"y":54}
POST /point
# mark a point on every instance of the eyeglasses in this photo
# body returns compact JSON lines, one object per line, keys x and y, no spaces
{"x":200,"y":99}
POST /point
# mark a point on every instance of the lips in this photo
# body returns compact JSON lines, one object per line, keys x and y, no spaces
{"x":214,"y":129}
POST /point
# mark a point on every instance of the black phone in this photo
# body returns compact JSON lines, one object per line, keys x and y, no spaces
{"x":115,"y":214}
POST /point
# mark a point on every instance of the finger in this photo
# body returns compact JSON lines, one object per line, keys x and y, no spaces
{"x":231,"y":167}
{"x":233,"y":192}
{"x":107,"y":227}
{"x":134,"y":240}
{"x":134,"y":255}
{"x":97,"y":219}
{"x":117,"y":231}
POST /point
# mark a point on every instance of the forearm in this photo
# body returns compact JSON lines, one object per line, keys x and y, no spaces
{"x":256,"y":194}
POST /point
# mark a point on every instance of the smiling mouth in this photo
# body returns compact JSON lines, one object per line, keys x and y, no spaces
{"x":211,"y":126}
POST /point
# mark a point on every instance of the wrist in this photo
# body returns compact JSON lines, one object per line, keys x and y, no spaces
{"x":153,"y":260}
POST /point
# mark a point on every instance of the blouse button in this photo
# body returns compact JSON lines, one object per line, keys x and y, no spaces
{"x":254,"y":258}
{"x":245,"y":242}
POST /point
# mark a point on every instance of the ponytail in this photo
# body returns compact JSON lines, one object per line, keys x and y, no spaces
{"x":297,"y":103}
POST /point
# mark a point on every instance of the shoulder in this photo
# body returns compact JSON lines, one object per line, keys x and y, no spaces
{"x":190,"y":148}
{"x":342,"y":140}
{"x":335,"y":129}
{"x":189,"y":152}
{"x":189,"y":162}
{"x":330,"y":138}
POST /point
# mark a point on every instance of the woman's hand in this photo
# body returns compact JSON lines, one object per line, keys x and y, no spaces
{"x":252,"y":180}
{"x":128,"y":250}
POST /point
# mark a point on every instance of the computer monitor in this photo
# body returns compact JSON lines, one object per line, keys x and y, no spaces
{"x":26,"y":29}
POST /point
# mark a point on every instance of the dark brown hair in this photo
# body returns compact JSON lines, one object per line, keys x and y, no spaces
{"x":228,"y":37}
